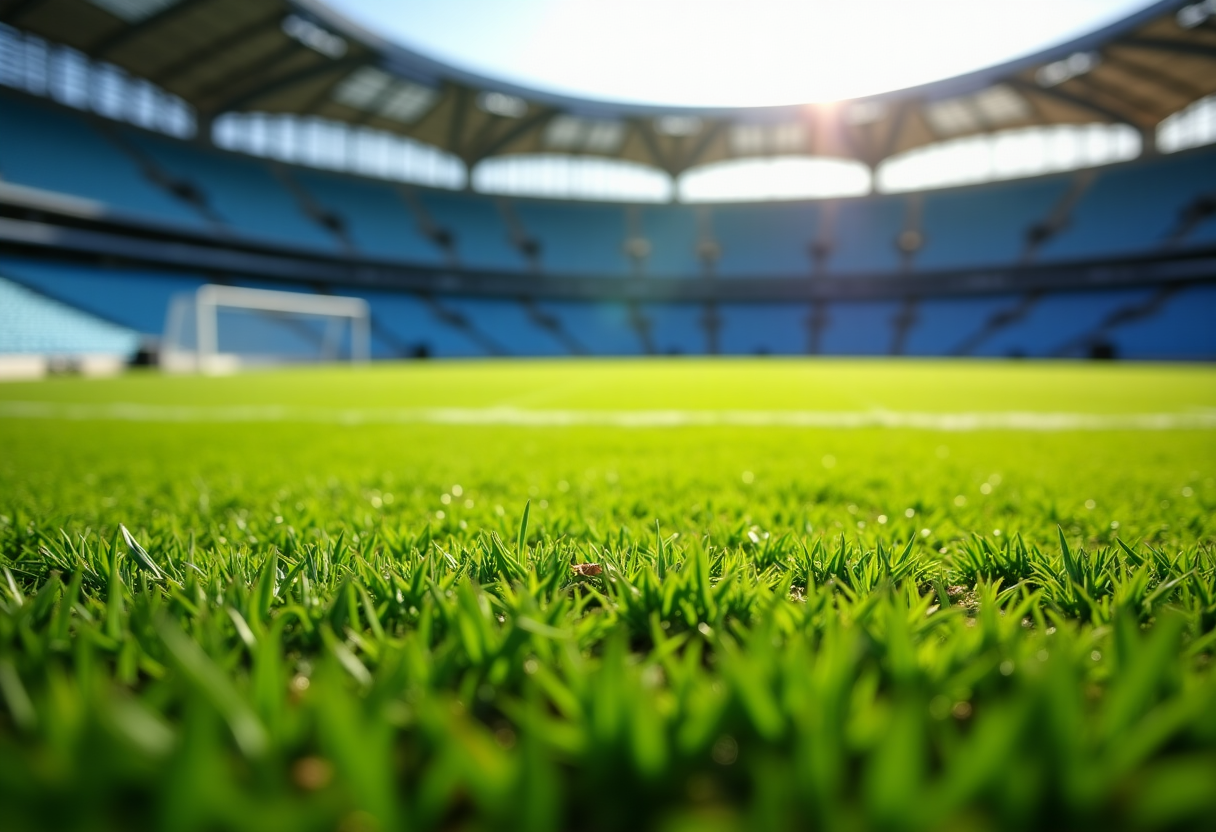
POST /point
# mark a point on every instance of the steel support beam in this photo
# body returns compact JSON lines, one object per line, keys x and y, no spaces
{"x":1178,"y":47}
{"x":129,"y":33}
{"x":287,"y":81}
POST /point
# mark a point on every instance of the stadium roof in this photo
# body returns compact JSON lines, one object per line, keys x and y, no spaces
{"x":302,"y":57}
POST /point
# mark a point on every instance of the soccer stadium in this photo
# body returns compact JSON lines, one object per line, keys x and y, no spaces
{"x":391,"y":444}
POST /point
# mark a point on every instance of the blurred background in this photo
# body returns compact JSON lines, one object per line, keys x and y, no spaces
{"x":210,"y":184}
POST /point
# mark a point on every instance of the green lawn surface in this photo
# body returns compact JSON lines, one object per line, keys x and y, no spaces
{"x":737,"y":384}
{"x":449,"y":626}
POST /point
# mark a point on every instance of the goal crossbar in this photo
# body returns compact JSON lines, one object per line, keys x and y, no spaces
{"x":210,"y":298}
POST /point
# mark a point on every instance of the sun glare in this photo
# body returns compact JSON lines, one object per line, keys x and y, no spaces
{"x":726,"y":52}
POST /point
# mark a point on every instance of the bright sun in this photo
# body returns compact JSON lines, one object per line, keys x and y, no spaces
{"x":728,"y":52}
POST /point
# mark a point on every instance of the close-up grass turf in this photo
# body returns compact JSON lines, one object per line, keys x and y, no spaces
{"x":749,"y":594}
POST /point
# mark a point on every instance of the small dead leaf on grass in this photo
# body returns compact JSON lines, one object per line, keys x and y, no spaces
{"x":312,"y":773}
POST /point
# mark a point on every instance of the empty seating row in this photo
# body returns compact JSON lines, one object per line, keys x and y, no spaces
{"x":1138,"y":207}
{"x":1126,"y":209}
{"x":31,"y":322}
{"x":1166,"y":323}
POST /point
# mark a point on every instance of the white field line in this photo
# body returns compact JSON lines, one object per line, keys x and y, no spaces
{"x":1200,"y":419}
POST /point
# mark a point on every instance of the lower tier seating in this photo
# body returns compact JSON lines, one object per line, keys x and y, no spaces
{"x":1143,"y":323}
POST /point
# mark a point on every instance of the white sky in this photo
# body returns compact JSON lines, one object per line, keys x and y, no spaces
{"x":729,"y":52}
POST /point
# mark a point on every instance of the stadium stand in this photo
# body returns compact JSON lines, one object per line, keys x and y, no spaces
{"x":131,"y":297}
{"x":677,"y":328}
{"x":947,"y":326}
{"x":33,"y":323}
{"x":862,"y":235}
{"x":1057,"y":325}
{"x":985,"y":225}
{"x":481,"y":238}
{"x":601,"y":328}
{"x":244,"y":194}
{"x":409,"y":325}
{"x":764,"y":329}
{"x":59,"y":150}
{"x":1118,"y":260}
{"x":405,"y":326}
{"x":577,"y":239}
{"x":852,"y":326}
{"x":500,"y":326}
{"x":673,"y":236}
{"x":766,"y":239}
{"x":1181,"y":329}
{"x":1138,"y":207}
{"x":377,"y":218}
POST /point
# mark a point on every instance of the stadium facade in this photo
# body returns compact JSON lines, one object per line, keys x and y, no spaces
{"x":150,"y":147}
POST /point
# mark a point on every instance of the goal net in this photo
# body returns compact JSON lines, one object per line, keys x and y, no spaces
{"x":219,"y":329}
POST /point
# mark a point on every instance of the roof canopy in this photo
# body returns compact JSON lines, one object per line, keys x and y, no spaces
{"x":301,"y":57}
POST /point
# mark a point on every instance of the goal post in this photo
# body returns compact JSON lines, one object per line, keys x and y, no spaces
{"x":221,"y":328}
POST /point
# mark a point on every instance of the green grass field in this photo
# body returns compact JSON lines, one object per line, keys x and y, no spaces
{"x":593,"y":595}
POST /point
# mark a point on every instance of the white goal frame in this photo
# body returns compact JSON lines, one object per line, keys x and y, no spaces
{"x":210,"y":298}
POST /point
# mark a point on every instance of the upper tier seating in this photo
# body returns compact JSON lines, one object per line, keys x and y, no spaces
{"x":673,"y":236}
{"x":984,"y":226}
{"x":577,"y":239}
{"x":863,"y":234}
{"x":376,"y":217}
{"x":766,"y":239}
{"x":243,"y":192}
{"x":1136,"y":207}
{"x":48,"y":147}
{"x":1133,"y":208}
{"x":481,"y":236}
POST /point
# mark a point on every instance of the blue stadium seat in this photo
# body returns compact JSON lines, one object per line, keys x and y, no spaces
{"x":769,"y":240}
{"x":676,"y":328}
{"x":1203,"y":233}
{"x":1182,"y":329}
{"x":508,"y":324}
{"x":673,"y":235}
{"x":764,"y":328}
{"x":33,"y":323}
{"x":984,"y":225}
{"x":134,"y":298}
{"x":48,"y":147}
{"x":1058,"y":319}
{"x":401,"y":323}
{"x":944,"y":324}
{"x":864,"y":233}
{"x":576,"y":238}
{"x":859,"y":328}
{"x":1135,"y":207}
{"x":482,"y":238}
{"x":602,"y":328}
{"x":378,"y":220}
{"x":243,"y":191}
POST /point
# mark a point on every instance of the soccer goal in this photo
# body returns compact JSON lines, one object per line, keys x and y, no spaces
{"x":219,"y":329}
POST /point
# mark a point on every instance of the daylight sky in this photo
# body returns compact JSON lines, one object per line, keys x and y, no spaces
{"x":729,"y":52}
